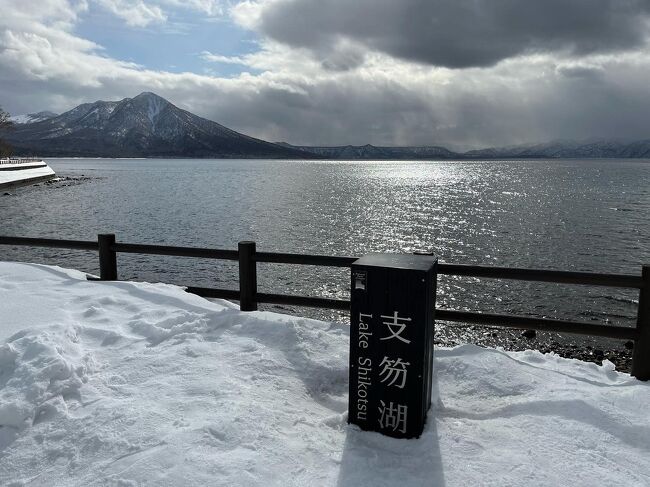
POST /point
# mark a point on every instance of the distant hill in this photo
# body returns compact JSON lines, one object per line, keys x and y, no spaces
{"x":144,"y":126}
{"x":369,"y":152}
{"x":567,"y":149}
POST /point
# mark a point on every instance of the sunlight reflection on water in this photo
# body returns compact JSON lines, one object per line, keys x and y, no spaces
{"x":580,"y":215}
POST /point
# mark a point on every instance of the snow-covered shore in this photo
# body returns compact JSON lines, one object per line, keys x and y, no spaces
{"x":143,"y":384}
{"x":24,"y":173}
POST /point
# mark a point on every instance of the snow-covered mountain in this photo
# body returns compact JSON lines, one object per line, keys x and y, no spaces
{"x":144,"y":126}
{"x":32,"y":117}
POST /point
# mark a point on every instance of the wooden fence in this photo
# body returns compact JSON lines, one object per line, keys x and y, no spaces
{"x":249,"y":297}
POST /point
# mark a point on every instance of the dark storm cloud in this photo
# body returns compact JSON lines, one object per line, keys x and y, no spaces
{"x":331,"y":113}
{"x":467,"y":113}
{"x":460,"y":33}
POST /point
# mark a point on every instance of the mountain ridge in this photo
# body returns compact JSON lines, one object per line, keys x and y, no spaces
{"x":150,"y":126}
{"x":566,"y":149}
{"x":369,"y":151}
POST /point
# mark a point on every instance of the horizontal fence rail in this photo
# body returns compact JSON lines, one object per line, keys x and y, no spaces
{"x":542,"y":275}
{"x":50,"y":242}
{"x":304,"y":259}
{"x":176,"y":251}
{"x":249,"y":297}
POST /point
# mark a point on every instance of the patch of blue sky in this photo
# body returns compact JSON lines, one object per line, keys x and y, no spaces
{"x":174,"y":45}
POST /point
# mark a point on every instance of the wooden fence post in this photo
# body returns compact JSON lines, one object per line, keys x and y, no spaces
{"x":641,"y":354}
{"x":107,"y":257}
{"x":247,"y":277}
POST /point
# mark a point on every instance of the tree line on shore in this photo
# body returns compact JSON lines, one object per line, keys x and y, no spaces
{"x":5,"y":125}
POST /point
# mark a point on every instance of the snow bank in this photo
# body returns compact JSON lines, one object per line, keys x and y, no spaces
{"x":142,"y":384}
{"x":24,"y":176}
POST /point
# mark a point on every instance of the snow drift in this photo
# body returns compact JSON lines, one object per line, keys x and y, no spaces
{"x":24,"y":173}
{"x":143,"y":384}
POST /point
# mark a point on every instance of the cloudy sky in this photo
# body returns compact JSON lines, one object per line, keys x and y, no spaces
{"x":460,"y":73}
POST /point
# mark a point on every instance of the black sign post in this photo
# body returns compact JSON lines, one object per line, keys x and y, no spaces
{"x":391,"y":342}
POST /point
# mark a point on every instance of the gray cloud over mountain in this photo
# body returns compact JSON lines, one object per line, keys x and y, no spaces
{"x":460,"y":33}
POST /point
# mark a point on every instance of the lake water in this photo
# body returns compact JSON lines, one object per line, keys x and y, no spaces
{"x":574,"y":215}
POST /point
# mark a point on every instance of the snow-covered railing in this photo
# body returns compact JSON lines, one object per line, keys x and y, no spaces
{"x":249,"y":297}
{"x":19,"y":160}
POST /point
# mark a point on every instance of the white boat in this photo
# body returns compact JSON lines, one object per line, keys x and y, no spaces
{"x":21,"y":171}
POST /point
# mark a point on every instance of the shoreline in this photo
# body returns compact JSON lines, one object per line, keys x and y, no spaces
{"x":586,"y":349}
